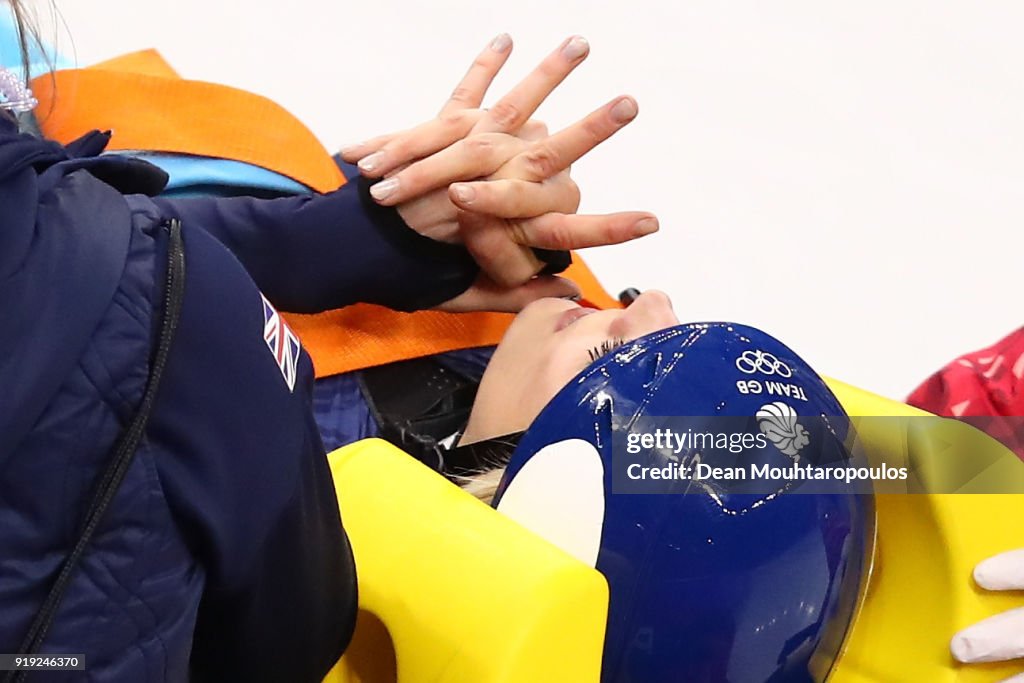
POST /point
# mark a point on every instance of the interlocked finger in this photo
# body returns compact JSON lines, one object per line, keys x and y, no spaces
{"x":512,"y":198}
{"x":477,"y":156}
{"x":421,"y":141}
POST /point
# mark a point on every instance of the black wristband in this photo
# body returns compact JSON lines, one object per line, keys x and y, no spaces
{"x":451,"y":270}
{"x":398,"y":232}
{"x":556,"y":261}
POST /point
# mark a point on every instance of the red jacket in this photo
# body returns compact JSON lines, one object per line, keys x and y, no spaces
{"x":986,"y":388}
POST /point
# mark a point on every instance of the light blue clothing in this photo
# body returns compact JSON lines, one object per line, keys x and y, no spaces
{"x":42,"y":58}
{"x":189,"y":176}
{"x":203,"y":177}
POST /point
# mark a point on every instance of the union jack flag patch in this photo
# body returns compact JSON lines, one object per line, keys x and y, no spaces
{"x":282,"y":342}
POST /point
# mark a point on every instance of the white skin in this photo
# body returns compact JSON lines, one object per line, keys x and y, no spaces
{"x":547,"y":345}
{"x":497,"y":182}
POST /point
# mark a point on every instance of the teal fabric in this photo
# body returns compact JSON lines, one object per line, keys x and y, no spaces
{"x":203,"y":176}
{"x":189,"y":176}
{"x":42,"y":58}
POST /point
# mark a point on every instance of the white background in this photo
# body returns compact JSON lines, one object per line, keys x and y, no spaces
{"x":847,"y":176}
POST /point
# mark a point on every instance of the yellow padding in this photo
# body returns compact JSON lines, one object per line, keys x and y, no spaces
{"x":466,"y":594}
{"x":920,"y":591}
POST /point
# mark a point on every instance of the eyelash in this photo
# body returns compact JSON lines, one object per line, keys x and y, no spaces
{"x":605,"y":348}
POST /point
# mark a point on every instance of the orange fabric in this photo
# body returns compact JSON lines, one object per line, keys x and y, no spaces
{"x":148,"y":62}
{"x":363,"y":335}
{"x":168,"y":114}
{"x":149,"y":107}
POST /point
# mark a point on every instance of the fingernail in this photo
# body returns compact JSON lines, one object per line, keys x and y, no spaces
{"x":371,"y":162}
{"x":624,"y":110}
{"x":645,"y":226}
{"x":384,"y":189}
{"x":501,"y":43}
{"x":464,"y":194}
{"x":575,"y":48}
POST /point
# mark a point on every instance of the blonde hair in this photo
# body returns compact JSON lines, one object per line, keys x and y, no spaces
{"x":485,"y":484}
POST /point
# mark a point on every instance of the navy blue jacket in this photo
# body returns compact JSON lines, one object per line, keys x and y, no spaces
{"x":223,"y":555}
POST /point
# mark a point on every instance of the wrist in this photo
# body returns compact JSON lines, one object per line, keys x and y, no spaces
{"x":445,"y":270}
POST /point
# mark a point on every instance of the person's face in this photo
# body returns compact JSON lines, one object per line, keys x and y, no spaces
{"x":547,"y":345}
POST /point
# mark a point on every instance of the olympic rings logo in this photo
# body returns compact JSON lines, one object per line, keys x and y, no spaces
{"x":750,"y":362}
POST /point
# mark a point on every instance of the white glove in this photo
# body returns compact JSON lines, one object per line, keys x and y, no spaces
{"x":1001,"y":637}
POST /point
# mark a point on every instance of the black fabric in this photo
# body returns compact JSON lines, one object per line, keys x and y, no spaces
{"x":417,"y":404}
{"x":557,"y":261}
{"x":451,"y":258}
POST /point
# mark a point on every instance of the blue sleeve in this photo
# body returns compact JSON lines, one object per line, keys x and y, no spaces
{"x":350,"y":171}
{"x":320,"y":252}
{"x":246,"y":478}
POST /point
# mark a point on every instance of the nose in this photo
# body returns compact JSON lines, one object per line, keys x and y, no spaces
{"x":649,"y":312}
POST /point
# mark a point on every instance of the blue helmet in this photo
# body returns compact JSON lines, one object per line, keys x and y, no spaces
{"x":710,"y":580}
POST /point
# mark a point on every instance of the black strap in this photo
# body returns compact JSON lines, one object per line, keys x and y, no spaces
{"x":123,"y":452}
{"x":417,"y":404}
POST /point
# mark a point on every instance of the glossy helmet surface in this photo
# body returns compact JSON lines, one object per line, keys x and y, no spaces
{"x":707,"y":582}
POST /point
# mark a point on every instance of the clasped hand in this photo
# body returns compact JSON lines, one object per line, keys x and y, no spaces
{"x":498,"y":182}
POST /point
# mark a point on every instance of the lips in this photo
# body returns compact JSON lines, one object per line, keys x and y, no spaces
{"x":572,"y":315}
